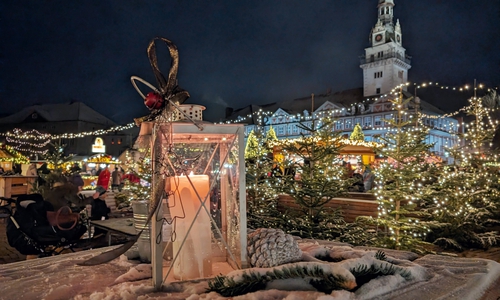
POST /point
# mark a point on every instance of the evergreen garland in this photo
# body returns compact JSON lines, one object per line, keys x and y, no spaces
{"x":313,"y":273}
{"x":253,"y":281}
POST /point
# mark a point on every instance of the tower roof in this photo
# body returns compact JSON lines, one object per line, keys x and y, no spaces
{"x":385,"y":2}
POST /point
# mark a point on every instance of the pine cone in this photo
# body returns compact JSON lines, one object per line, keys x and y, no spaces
{"x":268,"y":247}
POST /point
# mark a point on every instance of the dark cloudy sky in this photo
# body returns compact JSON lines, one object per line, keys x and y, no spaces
{"x":232,"y":53}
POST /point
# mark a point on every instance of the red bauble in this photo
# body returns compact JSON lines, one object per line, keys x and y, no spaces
{"x":153,"y":100}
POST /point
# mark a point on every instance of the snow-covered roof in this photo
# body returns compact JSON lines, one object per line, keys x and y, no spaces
{"x":71,"y":111}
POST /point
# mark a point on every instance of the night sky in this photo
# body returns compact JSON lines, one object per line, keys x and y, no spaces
{"x":232,"y":53}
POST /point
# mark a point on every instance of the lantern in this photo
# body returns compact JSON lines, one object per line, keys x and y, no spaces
{"x":199,"y":229}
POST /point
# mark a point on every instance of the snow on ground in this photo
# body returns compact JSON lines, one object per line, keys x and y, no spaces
{"x":433,"y":277}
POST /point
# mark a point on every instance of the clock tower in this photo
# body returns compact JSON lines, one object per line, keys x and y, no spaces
{"x":385,"y":63}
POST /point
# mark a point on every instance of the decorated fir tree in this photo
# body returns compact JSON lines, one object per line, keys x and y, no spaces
{"x":401,"y":181}
{"x":262,"y":188}
{"x":52,"y":170}
{"x":252,"y":147}
{"x":465,"y":200}
{"x":320,"y":178}
{"x":357,"y":133}
{"x":137,"y":178}
{"x":271,"y":137}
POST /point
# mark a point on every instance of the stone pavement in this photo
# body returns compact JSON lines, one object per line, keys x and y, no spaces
{"x":7,"y":253}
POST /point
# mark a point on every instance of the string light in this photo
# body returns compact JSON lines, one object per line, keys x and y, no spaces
{"x":37,"y":136}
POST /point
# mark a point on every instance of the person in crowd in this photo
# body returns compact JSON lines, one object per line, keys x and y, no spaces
{"x":358,"y":185}
{"x":42,"y":172}
{"x":368,"y":178}
{"x":100,"y":211}
{"x":32,"y":171}
{"x":349,"y":170}
{"x":103,"y":179}
{"x":75,"y":168}
{"x":77,"y":180}
{"x":360,"y":168}
{"x":2,"y":171}
{"x":116,"y":179}
{"x":17,"y":169}
{"x":69,"y":194}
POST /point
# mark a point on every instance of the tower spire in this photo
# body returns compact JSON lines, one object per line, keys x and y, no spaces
{"x":385,"y":63}
{"x":385,"y":11}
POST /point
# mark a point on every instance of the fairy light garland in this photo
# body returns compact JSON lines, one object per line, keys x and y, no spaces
{"x":331,"y":113}
{"x":35,"y":135}
{"x":16,"y":157}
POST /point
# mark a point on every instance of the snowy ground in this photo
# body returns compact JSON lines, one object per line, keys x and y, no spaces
{"x":433,"y":277}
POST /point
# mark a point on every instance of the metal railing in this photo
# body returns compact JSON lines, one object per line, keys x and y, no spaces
{"x":364,"y":60}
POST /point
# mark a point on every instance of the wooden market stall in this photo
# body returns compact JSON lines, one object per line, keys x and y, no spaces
{"x":12,"y":184}
{"x":92,"y":164}
{"x":355,"y":204}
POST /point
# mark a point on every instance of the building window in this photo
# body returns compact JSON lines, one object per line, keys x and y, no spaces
{"x":378,"y":91}
{"x":400,"y":74}
{"x":281,"y":130}
{"x":387,"y":117}
{"x":378,"y":121}
{"x":348,"y":123}
{"x":367,"y":122}
{"x":357,"y":121}
{"x":339,"y":125}
{"x":377,"y":74}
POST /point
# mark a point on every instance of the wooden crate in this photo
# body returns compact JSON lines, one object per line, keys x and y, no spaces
{"x":12,"y":186}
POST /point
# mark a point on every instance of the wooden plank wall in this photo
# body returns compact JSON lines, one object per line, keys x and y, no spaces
{"x":362,"y":205}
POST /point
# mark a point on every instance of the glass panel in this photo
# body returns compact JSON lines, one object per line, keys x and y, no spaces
{"x":200,"y":172}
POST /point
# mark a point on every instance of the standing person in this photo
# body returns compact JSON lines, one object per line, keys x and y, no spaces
{"x":42,"y":172}
{"x":116,"y":179}
{"x":368,"y":179}
{"x":103,"y":179}
{"x":32,"y":171}
{"x":350,"y":171}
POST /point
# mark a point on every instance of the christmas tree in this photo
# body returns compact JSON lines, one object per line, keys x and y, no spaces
{"x":137,"y":179}
{"x":55,"y":160}
{"x":357,"y":133}
{"x":464,"y":203}
{"x":262,"y":188}
{"x":320,"y":178}
{"x":270,"y":138}
{"x":400,"y":181}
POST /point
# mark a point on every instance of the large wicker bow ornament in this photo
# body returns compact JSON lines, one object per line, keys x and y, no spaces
{"x":168,"y":92}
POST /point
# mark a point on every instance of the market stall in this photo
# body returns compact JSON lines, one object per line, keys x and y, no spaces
{"x":12,"y":182}
{"x":91,"y":167}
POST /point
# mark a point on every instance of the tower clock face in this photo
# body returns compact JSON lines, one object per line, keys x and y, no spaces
{"x":378,"y":37}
